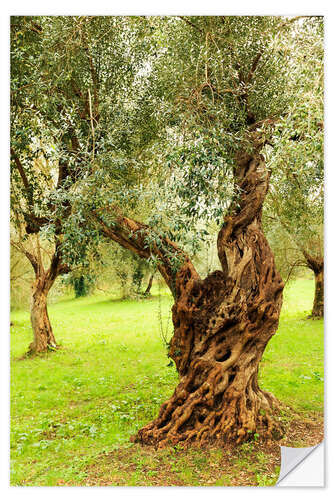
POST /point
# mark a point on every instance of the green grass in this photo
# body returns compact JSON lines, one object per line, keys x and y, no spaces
{"x":73,"y":406}
{"x":293,"y":363}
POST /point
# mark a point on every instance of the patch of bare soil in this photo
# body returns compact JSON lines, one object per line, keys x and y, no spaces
{"x":252,"y":464}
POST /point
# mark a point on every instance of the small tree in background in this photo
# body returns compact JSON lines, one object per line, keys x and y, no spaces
{"x":296,"y":198}
{"x":83,"y":284}
{"x":68,"y":80}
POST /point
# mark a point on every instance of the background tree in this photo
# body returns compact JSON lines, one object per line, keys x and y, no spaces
{"x":83,"y":283}
{"x":69,"y":79}
{"x":43,"y":255}
{"x":37,"y":177}
{"x":296,"y":199}
{"x":288,"y":258}
{"x":120,"y":268}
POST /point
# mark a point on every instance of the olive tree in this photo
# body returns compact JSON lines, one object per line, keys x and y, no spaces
{"x":71,"y":81}
{"x":229,"y":86}
{"x":189,"y":137}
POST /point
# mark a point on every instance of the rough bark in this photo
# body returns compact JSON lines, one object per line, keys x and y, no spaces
{"x":44,"y":339}
{"x":222,"y":325}
{"x":318,"y":303}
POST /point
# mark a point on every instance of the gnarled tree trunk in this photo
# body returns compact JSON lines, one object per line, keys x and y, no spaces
{"x":43,"y":335}
{"x":44,"y":339}
{"x":222,"y":324}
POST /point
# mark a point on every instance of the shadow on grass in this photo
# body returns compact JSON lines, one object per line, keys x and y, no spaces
{"x":83,"y":302}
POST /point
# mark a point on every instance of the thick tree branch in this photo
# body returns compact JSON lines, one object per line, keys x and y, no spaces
{"x":21,"y":172}
{"x":316,"y":264}
{"x":253,"y":67}
{"x":173,"y":264}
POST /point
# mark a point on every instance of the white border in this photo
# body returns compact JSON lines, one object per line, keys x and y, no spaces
{"x":172,"y":7}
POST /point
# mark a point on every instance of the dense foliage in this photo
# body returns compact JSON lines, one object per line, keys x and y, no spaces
{"x":297,"y":159}
{"x":142,"y":116}
{"x":147,"y":112}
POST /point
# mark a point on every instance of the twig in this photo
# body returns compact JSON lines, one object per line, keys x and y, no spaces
{"x":191,"y":24}
{"x":92,"y":125}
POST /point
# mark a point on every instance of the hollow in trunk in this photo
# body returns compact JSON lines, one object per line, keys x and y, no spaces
{"x":222,"y":325}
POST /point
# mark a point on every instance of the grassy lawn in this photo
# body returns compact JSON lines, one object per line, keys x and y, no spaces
{"x":73,"y":411}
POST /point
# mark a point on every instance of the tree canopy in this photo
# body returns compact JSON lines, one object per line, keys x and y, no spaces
{"x":118,"y":109}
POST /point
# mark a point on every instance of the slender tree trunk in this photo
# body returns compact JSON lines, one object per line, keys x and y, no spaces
{"x":44,"y":339}
{"x":150,"y":283}
{"x":318,"y":303}
{"x":222,"y":325}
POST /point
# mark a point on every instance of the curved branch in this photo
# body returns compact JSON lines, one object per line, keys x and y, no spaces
{"x":316,"y":264}
{"x":172,"y":262}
